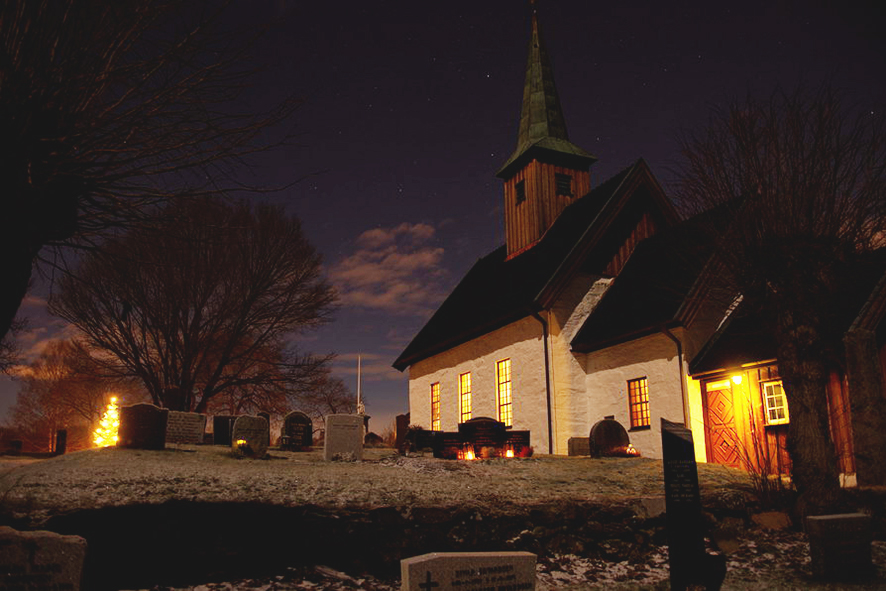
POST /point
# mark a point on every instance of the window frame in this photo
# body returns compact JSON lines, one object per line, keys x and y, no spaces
{"x":504,"y":389}
{"x":435,"y":407}
{"x":767,"y":407}
{"x":638,"y":404}
{"x":561,"y":179}
{"x":519,"y":192}
{"x":464,"y":397}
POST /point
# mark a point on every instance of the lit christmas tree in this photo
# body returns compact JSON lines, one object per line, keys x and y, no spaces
{"x":106,"y":433}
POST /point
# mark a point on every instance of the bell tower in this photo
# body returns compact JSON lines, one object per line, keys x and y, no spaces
{"x":546,"y":172}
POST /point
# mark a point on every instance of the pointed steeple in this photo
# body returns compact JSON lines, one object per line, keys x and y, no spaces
{"x":542,"y":125}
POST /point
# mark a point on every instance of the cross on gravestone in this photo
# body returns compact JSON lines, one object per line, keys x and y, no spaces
{"x":428,"y":584}
{"x":689,"y":563}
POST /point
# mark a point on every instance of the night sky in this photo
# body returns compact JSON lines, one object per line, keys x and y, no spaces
{"x":410,"y":108}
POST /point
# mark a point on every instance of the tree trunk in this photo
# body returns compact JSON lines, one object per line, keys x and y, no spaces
{"x":17,"y":263}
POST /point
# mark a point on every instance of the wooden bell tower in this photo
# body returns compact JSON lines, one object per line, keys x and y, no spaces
{"x":546,"y":172}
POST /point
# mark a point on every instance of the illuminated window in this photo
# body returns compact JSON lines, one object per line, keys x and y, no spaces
{"x":520,"y":187}
{"x":435,"y":406}
{"x":464,"y":396}
{"x":564,"y":184}
{"x":503,"y":389}
{"x":638,"y":400}
{"x":776,"y":403}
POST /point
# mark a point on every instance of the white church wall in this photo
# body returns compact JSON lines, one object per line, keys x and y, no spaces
{"x":608,"y":371}
{"x":521,"y":342}
{"x":572,"y":308}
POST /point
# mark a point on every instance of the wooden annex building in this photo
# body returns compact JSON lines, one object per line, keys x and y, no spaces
{"x":602,"y":302}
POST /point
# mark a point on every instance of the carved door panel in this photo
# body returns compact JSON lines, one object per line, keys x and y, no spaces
{"x":723,"y":443}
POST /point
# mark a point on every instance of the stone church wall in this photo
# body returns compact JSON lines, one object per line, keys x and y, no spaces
{"x":521,"y":342}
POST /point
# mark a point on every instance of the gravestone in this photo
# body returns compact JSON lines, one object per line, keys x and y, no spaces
{"x":579,"y":446}
{"x":221,"y":429}
{"x":249,"y":437}
{"x":840,"y":546}
{"x":297,"y":432}
{"x":40,"y":560}
{"x":468,"y":571}
{"x":142,"y":426}
{"x":689,"y":563}
{"x":402,"y":422}
{"x":61,"y":442}
{"x":344,"y":438}
{"x":266,"y":416}
{"x":608,"y":438}
{"x":185,"y":427}
{"x":483,"y":432}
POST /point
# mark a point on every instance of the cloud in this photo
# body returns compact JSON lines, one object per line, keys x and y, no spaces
{"x":394,"y":270}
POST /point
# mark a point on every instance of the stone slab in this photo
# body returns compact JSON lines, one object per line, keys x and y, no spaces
{"x":579,"y":446}
{"x":840,"y":545}
{"x":142,"y":426}
{"x":40,"y":560}
{"x":185,"y":427}
{"x":343,"y":440}
{"x":297,"y":432}
{"x":249,"y":437}
{"x":469,"y":571}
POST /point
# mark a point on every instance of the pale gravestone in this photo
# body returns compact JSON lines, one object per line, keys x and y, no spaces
{"x":297,"y":433}
{"x":142,"y":426}
{"x":185,"y":427}
{"x":689,"y":563}
{"x":468,"y":571}
{"x":344,"y":438}
{"x":249,"y":437}
{"x":840,"y":546}
{"x":40,"y":560}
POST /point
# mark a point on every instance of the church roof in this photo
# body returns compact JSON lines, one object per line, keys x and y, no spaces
{"x":542,"y":125}
{"x":651,"y":290}
{"x":498,"y":291}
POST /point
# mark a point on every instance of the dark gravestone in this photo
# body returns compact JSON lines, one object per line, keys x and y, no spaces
{"x":402,"y":422}
{"x":579,"y":446}
{"x":142,"y":426}
{"x":373,"y":440}
{"x":221,"y":429}
{"x":297,"y":432}
{"x":15,"y":446}
{"x":249,"y":437}
{"x":61,"y":442}
{"x":518,"y":441}
{"x":485,"y":434}
{"x":840,"y":546}
{"x":608,"y":438}
{"x":267,"y":416}
{"x":40,"y":560}
{"x":690,"y":564}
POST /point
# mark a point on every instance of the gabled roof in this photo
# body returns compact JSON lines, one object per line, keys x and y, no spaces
{"x":747,"y":335}
{"x":498,"y":291}
{"x":542,"y":125}
{"x":651,"y":290}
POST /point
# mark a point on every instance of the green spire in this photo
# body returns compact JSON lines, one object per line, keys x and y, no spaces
{"x":542,"y":126}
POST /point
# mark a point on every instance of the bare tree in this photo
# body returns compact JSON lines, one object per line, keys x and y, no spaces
{"x":63,"y":389}
{"x":107,"y":109}
{"x":327,"y":395}
{"x":203,"y":302}
{"x":804,"y":185}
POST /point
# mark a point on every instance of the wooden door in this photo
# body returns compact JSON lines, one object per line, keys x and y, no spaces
{"x":721,"y":437}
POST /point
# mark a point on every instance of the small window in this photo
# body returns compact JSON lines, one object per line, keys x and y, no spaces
{"x":638,"y":402}
{"x":776,"y":403}
{"x":503,"y":389}
{"x":564,"y":184}
{"x":464,"y":396}
{"x":520,"y":187}
{"x":435,"y":406}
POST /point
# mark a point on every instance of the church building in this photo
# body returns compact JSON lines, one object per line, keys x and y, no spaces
{"x":601,"y":303}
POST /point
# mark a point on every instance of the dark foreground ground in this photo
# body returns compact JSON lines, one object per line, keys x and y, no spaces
{"x":196,"y":518}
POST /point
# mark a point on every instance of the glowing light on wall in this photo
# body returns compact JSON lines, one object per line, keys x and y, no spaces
{"x":106,"y":433}
{"x":736,"y":380}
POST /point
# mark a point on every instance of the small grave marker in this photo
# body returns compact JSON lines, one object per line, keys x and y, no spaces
{"x":840,"y":545}
{"x":142,"y":426}
{"x":468,"y":571}
{"x":690,"y":564}
{"x":297,"y":433}
{"x":40,"y":560}
{"x":221,"y":429}
{"x":185,"y":427}
{"x":608,"y":438}
{"x":344,"y":438}
{"x":249,"y":437}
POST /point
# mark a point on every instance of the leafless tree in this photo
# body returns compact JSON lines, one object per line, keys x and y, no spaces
{"x":106,"y":110}
{"x":63,"y":389}
{"x":804,"y":184}
{"x":327,"y":395}
{"x":203,"y":302}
